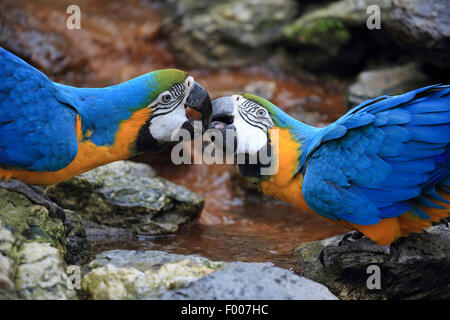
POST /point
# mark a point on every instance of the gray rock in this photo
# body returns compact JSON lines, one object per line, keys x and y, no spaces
{"x":392,"y":80}
{"x":322,"y":33}
{"x":41,"y":274}
{"x":128,"y":195}
{"x":252,"y":281}
{"x":265,"y":89}
{"x":31,"y":258}
{"x":7,"y":288}
{"x":420,"y":26}
{"x":226,"y":33}
{"x":121,"y":274}
{"x":414,"y":267}
{"x":78,"y":247}
{"x":21,"y":32}
{"x":142,"y":260}
{"x":424,"y":27}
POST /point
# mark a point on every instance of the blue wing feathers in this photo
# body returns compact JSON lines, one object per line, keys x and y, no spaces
{"x":37,"y":131}
{"x":386,"y":152}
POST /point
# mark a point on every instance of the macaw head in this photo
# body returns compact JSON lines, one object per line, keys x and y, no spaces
{"x":172,"y":92}
{"x":259,"y":130}
{"x":249,"y":117}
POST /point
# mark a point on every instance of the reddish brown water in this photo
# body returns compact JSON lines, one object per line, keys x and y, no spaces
{"x":120,"y":40}
{"x":233,"y":227}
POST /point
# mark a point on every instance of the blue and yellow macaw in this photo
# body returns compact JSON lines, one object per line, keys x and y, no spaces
{"x":382,"y":169}
{"x":51,"y":132}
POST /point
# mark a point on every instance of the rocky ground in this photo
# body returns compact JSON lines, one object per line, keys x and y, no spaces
{"x":416,"y":267}
{"x":35,"y":251}
{"x":120,"y":274}
{"x":127,"y":197}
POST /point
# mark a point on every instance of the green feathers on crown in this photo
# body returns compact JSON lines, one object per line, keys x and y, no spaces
{"x":279,"y":117}
{"x":162,"y":80}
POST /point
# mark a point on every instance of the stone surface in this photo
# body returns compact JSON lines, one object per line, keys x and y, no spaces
{"x":32,"y":247}
{"x":414,"y":267}
{"x":41,"y":274}
{"x":116,"y":41}
{"x":391,"y":80}
{"x":128,"y":195}
{"x":121,"y":274}
{"x":78,"y":248}
{"x":265,"y":89}
{"x":226,"y":33}
{"x":252,"y":281}
{"x":334,"y":33}
{"x":30,"y":222}
{"x":337,"y":32}
{"x":7,"y":288}
{"x":424,"y":27}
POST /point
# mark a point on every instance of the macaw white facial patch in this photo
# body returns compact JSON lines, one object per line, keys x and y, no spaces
{"x":169,"y":111}
{"x":252,"y":123}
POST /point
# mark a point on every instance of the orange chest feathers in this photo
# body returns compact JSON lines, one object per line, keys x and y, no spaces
{"x":89,"y":155}
{"x":285,"y":184}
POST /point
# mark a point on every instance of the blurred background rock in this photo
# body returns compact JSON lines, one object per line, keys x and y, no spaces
{"x":310,"y":42}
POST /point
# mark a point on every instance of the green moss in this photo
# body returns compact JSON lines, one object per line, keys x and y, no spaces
{"x":30,"y":222}
{"x":321,"y":32}
{"x":128,"y":195}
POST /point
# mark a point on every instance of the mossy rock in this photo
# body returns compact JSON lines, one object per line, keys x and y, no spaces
{"x":322,"y":32}
{"x":33,"y":245}
{"x":128,"y":195}
{"x":30,"y":222}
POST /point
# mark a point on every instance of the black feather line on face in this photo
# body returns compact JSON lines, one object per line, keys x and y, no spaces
{"x":146,"y":142}
{"x":252,"y":122}
{"x":178,"y":91}
{"x":254,"y":170}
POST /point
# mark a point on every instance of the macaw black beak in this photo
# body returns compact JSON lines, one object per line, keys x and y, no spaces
{"x":222,"y":120}
{"x":199,"y":100}
{"x":222,"y":113}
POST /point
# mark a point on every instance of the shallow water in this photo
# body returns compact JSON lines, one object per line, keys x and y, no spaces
{"x":231,"y":226}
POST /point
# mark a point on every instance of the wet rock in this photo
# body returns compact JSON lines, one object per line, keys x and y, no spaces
{"x":415,"y":267}
{"x":7,"y":288}
{"x":121,"y":274}
{"x":116,"y":41}
{"x":22,"y":32}
{"x":226,"y":33}
{"x":333,"y":34}
{"x":128,"y":195}
{"x":78,"y":248}
{"x":423,"y":26}
{"x":29,"y":221}
{"x":32,"y":249}
{"x":391,"y":80}
{"x":265,"y":89}
{"x":337,"y":32}
{"x":252,"y":281}
{"x":41,"y":273}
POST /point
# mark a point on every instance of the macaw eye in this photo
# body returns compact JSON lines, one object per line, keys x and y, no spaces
{"x":166,"y":98}
{"x":261,"y":113}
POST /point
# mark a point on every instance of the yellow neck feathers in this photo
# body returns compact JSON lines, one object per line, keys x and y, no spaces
{"x":286,"y":185}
